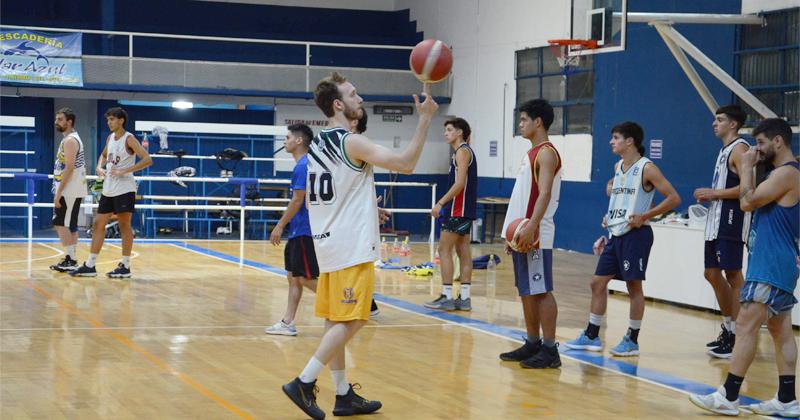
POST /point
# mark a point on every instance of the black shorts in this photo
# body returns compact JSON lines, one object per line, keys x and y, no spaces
{"x":67,"y":214}
{"x":124,"y":203}
{"x":457,"y":225}
{"x":299,"y":258}
{"x":724,"y":254}
{"x":625,"y":257}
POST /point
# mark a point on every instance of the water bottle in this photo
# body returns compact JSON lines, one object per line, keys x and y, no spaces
{"x":395,"y":246}
{"x":491,"y":265}
{"x":146,"y":143}
{"x":384,"y":250}
{"x":491,"y":271}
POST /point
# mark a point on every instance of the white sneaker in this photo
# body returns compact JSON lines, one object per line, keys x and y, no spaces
{"x":716,"y":402}
{"x":282,"y":328}
{"x":774,"y":407}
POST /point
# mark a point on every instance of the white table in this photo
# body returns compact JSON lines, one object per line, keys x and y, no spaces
{"x":675,"y":269}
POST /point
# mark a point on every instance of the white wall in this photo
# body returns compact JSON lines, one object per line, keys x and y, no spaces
{"x":330,"y":4}
{"x":755,"y":6}
{"x":484,"y":35}
{"x":435,"y":157}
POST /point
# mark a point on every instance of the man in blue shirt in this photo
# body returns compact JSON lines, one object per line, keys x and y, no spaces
{"x":772,"y":271}
{"x":300,"y":260}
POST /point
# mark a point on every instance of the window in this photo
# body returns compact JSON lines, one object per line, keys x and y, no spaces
{"x":539,"y":76}
{"x":767,"y":64}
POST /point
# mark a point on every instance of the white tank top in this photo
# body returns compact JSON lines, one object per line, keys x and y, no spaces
{"x":628,"y":197}
{"x":726,"y":212}
{"x":341,"y":204}
{"x":76,"y":187}
{"x":117,"y":157}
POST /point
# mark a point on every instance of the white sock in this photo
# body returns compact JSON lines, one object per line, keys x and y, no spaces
{"x":311,"y":371}
{"x":91,"y":261}
{"x":636,"y":324}
{"x":71,"y":251}
{"x":447,"y":289}
{"x":126,"y":261}
{"x":340,"y":382}
{"x":464,"y":291}
{"x":726,"y":321}
{"x":595,"y":319}
{"x":732,"y":328}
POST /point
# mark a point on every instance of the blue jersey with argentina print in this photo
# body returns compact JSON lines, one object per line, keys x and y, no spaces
{"x":773,"y":245}
{"x":628,"y":196}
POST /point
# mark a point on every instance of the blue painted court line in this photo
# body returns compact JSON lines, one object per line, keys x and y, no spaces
{"x":591,"y":358}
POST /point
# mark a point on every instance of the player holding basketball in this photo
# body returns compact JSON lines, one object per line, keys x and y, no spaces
{"x":772,"y":270}
{"x":535,"y":197}
{"x":725,"y":226}
{"x":344,"y":222}
{"x":457,"y":214}
{"x":635,"y":181}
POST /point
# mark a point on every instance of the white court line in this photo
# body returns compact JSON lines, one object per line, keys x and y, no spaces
{"x":566,"y":356}
{"x":57,"y":254}
{"x":215,"y":327}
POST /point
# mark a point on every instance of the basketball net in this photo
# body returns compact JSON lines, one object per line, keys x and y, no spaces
{"x":567,"y":63}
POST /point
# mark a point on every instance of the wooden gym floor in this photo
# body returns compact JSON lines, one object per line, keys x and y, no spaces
{"x":184,"y":339}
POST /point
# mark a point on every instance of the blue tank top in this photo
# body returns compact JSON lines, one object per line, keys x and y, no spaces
{"x":464,"y":203}
{"x":299,"y":225}
{"x":773,"y":245}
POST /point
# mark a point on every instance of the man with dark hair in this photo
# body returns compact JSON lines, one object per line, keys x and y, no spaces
{"x":726,"y":226}
{"x":117,"y":163}
{"x":631,"y":191}
{"x":772,"y":271}
{"x":456,"y":212}
{"x":69,"y":187}
{"x":344,"y":222}
{"x":535,"y":197}
{"x":300,"y":260}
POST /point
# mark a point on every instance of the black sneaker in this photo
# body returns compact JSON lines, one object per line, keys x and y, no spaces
{"x":724,"y":350}
{"x":304,"y":396}
{"x":374,"y":310}
{"x":353,"y":404}
{"x":83,"y":271}
{"x":547,"y":357}
{"x":527,"y":351}
{"x":65,"y":265}
{"x":121,"y":272}
{"x":720,"y":338}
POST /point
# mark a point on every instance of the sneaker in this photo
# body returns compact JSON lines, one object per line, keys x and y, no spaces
{"x":120,"y":272}
{"x":304,"y":396}
{"x":546,"y":357}
{"x":527,"y":351}
{"x":720,"y":338}
{"x":724,"y":350}
{"x":374,"y":310}
{"x":585,"y":343}
{"x":442,"y":303}
{"x":65,"y":265}
{"x":774,"y":407}
{"x":353,"y":404}
{"x":463,"y":305}
{"x":83,"y":271}
{"x":282,"y":328}
{"x":626,"y":347}
{"x":716,"y":402}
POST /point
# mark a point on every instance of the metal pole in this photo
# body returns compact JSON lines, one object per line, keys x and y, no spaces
{"x":710,"y":18}
{"x":242,"y":191}
{"x":431,"y":237}
{"x":30,"y":189}
{"x":130,"y":59}
{"x":718,"y":72}
{"x":687,"y":67}
{"x":308,"y":67}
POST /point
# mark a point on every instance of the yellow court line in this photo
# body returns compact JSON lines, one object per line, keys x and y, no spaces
{"x":135,"y":347}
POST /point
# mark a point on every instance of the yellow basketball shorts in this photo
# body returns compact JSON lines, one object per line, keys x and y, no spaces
{"x":346,"y":295}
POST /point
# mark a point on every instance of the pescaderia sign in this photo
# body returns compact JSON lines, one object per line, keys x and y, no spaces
{"x":41,"y":58}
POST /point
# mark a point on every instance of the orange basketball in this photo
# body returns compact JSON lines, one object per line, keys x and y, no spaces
{"x":512,"y":229}
{"x":431,"y":61}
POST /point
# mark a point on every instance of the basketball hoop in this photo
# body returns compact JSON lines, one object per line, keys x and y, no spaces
{"x":561,"y":48}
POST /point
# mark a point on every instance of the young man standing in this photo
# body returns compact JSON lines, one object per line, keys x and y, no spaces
{"x":535,"y":196}
{"x":344,"y":222}
{"x":725,"y":226}
{"x":772,"y":270}
{"x":631,"y":191}
{"x":117,"y":164}
{"x":300,"y":260}
{"x":457,"y":214}
{"x":69,"y":187}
